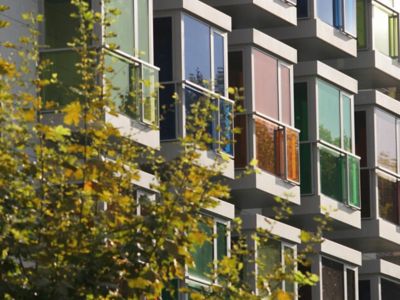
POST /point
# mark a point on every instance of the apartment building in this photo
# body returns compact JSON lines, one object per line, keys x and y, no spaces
{"x":319,"y":83}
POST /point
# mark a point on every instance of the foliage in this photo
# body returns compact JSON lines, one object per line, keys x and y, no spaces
{"x":69,"y":227}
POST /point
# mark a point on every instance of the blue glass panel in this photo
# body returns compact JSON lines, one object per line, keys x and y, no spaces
{"x":167,"y":113}
{"x":219,"y":65}
{"x":197,"y":51}
{"x":226,"y":113}
{"x":350,"y":17}
{"x":302,"y":8}
{"x":338,"y":13}
{"x":163,"y":47}
{"x":325,"y":11}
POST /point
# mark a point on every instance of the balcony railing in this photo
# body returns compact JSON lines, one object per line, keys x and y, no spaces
{"x":219,"y":115}
{"x":133,"y":82}
{"x":339,"y":172}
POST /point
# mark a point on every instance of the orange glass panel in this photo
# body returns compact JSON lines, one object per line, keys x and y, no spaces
{"x":292,"y":152}
{"x":269,"y":146}
{"x":241,"y":142}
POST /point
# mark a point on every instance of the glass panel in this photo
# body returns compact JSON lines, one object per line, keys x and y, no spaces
{"x":292,"y":152}
{"x":325,"y":11}
{"x":144,"y":29}
{"x":351,"y":284}
{"x":354,"y":181}
{"x":226,"y":126}
{"x":63,"y":63}
{"x":167,"y":112}
{"x":387,"y":196}
{"x":269,"y":257}
{"x":364,"y":290}
{"x":301,"y":109}
{"x":350,"y":17}
{"x":241,"y":141}
{"x":219,"y":64}
{"x":365,"y":194}
{"x":289,"y":267}
{"x":394,"y":36}
{"x":302,"y":8}
{"x":235,"y":61}
{"x":222,"y":241}
{"x":60,"y":28}
{"x":390,"y":289}
{"x":170,"y":293}
{"x":305,"y":169}
{"x":286,"y":99}
{"x":347,"y":123}
{"x":124,"y":80}
{"x":361,"y":136}
{"x":266,"y":84}
{"x":305,"y":290}
{"x":332,"y":280}
{"x":122,"y":25}
{"x":337,"y":13}
{"x":203,"y":255}
{"x":269,"y":144}
{"x":197,"y":51}
{"x":333,"y":174}
{"x":163,"y":47}
{"x":329,"y":114}
{"x":361,"y":24}
{"x":386,"y":147}
{"x":150,"y":95}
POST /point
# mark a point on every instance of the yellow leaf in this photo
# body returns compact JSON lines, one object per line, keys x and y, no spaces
{"x":138,"y":283}
{"x":282,"y":295}
{"x":72,"y":113}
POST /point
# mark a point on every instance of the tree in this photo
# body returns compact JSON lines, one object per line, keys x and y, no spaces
{"x":68,"y":209}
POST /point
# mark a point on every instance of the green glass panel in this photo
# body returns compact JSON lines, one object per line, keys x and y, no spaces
{"x":347,"y":124}
{"x":60,"y":28}
{"x":203,"y":256}
{"x":122,"y":25}
{"x":305,"y":169}
{"x":329,"y":113}
{"x":394,"y":36}
{"x":269,"y":257}
{"x":63,"y":63}
{"x":301,"y":109}
{"x":150,"y":95}
{"x":222,"y":241}
{"x":124,"y":80}
{"x":354,"y":181}
{"x":333,"y":174}
{"x":289,"y":267}
{"x":144,"y":29}
{"x":361,"y":25}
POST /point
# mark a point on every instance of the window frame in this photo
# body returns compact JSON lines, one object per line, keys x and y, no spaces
{"x":346,"y":267}
{"x":213,"y":30}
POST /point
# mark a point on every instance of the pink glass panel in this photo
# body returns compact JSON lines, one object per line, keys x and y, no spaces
{"x":285,"y":95}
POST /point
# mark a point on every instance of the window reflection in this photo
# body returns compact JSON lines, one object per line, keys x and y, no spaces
{"x":386,"y":147}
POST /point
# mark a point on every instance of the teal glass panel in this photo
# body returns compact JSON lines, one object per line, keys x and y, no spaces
{"x":350,"y":17}
{"x":63,"y":63}
{"x":219,"y":63}
{"x":124,"y":80}
{"x":329,"y":113}
{"x":305,"y":169}
{"x":269,"y":256}
{"x":203,"y":256}
{"x":333,"y":172}
{"x":386,"y":147}
{"x":354,"y":181}
{"x":122,"y":25}
{"x":150,"y":94}
{"x":361,"y":25}
{"x":197,"y":51}
{"x":60,"y":28}
{"x":222,"y":241}
{"x":347,"y":124}
{"x":143,"y":29}
{"x":226,"y":126}
{"x":301,"y":109}
{"x":171,"y":291}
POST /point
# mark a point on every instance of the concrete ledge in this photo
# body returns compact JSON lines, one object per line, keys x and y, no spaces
{"x":341,"y":252}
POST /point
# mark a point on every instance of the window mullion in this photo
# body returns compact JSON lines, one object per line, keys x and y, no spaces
{"x":212,"y":75}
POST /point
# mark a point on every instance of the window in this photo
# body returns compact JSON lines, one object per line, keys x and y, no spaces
{"x":335,"y":116}
{"x":216,"y":248}
{"x":390,"y":289}
{"x":131,"y":27}
{"x":339,"y":176}
{"x":275,"y":254}
{"x":204,"y":55}
{"x":340,"y":14}
{"x":302,"y":8}
{"x":335,"y":277}
{"x":364,"y":288}
{"x":388,"y":196}
{"x":272,"y":83}
{"x":361,"y":24}
{"x":385,"y":23}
